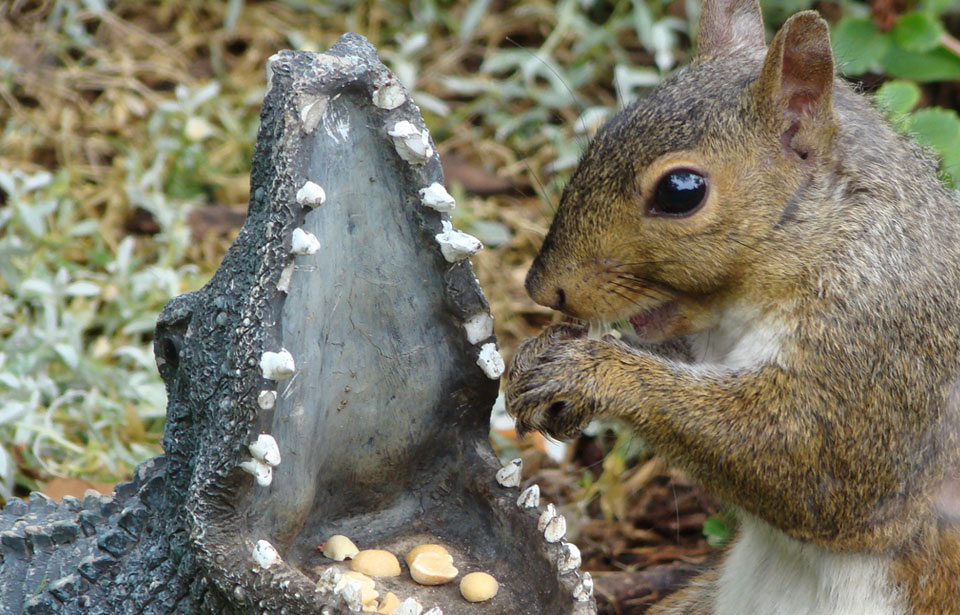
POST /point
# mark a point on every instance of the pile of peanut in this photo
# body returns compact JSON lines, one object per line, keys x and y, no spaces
{"x":429,"y":564}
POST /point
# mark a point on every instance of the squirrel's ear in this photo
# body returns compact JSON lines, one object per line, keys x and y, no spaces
{"x":727,"y":25}
{"x":796,"y":82}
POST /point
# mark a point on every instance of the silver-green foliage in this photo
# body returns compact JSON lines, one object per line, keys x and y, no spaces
{"x":79,"y":392}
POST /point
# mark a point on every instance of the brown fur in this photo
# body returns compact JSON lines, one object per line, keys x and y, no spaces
{"x":824,"y":222}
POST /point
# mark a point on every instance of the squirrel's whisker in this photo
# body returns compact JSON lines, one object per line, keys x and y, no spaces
{"x":543,"y":191}
{"x":573,"y":97}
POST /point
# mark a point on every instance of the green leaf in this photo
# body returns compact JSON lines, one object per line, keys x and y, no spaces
{"x":718,"y":529}
{"x":82,"y":289}
{"x":858,"y":45}
{"x":951,"y":166}
{"x":471,"y":19}
{"x":897,"y":97}
{"x":939,"y":7}
{"x":918,"y":32}
{"x":69,"y":355}
{"x":937,"y":65}
{"x":937,"y":128}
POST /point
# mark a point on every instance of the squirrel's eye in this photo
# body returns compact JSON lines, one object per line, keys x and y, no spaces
{"x":679,"y":193}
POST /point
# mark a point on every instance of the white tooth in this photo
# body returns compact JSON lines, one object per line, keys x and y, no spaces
{"x":260,"y":470}
{"x":265,"y":449}
{"x":277,"y":365}
{"x":312,"y":110}
{"x":595,"y":330}
{"x":490,"y":361}
{"x":584,"y":590}
{"x":456,"y":245}
{"x":509,"y":475}
{"x":264,"y":554}
{"x":546,"y":516}
{"x":311,"y":195}
{"x":325,"y":59}
{"x":436,"y":197}
{"x":270,"y":62}
{"x":283,"y":284}
{"x":302,"y":242}
{"x":352,"y":594}
{"x":410,"y":606}
{"x":329,"y":579}
{"x":556,"y":529}
{"x":412,"y":145}
{"x":579,"y":608}
{"x":389,"y":96}
{"x":349,"y":578}
{"x":478,"y":327}
{"x":569,"y":559}
{"x":529,"y":497}
{"x":267,"y":399}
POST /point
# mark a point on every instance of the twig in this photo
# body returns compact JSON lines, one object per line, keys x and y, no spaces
{"x":950,"y":43}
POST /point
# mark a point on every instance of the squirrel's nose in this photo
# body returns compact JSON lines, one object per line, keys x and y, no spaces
{"x":561,"y":300}
{"x":544,"y":294}
{"x":555,"y":300}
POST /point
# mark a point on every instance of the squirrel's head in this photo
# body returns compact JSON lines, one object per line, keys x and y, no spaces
{"x":679,"y":198}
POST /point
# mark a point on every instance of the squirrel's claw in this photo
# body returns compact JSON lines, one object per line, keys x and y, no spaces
{"x":546,"y":390}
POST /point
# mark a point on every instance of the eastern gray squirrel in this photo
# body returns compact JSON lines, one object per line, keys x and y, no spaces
{"x":758,"y":212}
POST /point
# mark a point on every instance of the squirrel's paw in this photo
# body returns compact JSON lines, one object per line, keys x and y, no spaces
{"x":531,"y":349}
{"x":553,"y":385}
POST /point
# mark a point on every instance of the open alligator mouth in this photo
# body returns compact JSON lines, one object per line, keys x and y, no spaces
{"x":346,"y":324}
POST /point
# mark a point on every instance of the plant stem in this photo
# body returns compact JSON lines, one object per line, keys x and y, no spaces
{"x":950,"y":43}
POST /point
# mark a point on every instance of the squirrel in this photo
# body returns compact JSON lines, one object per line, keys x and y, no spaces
{"x":790,"y":267}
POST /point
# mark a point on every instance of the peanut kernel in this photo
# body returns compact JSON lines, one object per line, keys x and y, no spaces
{"x":376,"y":563}
{"x":478,"y":586}
{"x":431,"y":568}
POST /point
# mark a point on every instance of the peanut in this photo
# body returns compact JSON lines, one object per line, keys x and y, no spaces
{"x":478,"y":586}
{"x":376,"y":563}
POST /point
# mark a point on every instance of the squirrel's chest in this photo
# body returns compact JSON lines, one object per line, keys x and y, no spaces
{"x":768,"y":573}
{"x":741,"y":339}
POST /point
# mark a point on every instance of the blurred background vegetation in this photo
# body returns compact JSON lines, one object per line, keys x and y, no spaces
{"x":127,"y":128}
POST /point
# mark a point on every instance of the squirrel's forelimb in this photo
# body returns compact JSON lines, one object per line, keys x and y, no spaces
{"x":765,"y":439}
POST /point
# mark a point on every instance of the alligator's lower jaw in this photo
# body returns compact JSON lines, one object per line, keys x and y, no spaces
{"x":365,"y":351}
{"x":477,"y":520}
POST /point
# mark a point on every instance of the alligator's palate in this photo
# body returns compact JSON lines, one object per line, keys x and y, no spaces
{"x":335,"y":377}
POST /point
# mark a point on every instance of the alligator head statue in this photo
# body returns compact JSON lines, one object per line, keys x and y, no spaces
{"x":334,"y":377}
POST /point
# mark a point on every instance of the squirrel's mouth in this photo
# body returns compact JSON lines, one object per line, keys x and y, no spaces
{"x":654,"y":324}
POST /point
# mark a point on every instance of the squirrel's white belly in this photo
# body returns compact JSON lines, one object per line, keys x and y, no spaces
{"x":768,"y":573}
{"x":741,"y":339}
